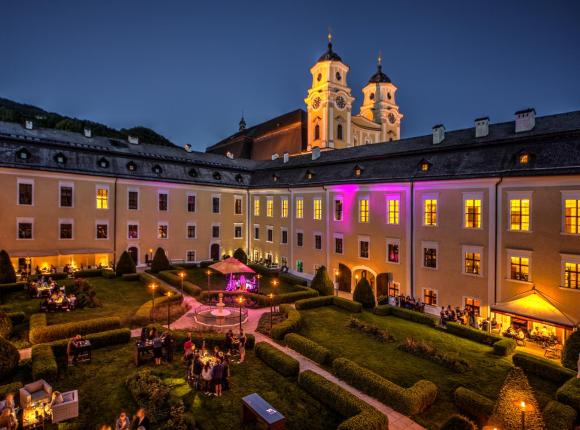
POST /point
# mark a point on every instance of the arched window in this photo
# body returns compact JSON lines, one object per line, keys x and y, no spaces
{"x":339,"y":131}
{"x":316,"y":132}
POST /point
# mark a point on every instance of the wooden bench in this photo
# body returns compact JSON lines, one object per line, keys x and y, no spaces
{"x":255,"y":408}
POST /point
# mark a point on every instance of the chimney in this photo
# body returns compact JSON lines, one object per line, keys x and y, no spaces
{"x":275,"y":156}
{"x":187,"y":147}
{"x":286,"y":157}
{"x":133,"y":139}
{"x":28,"y":124}
{"x":315,"y":152}
{"x":525,"y":120}
{"x":438,"y":133}
{"x":230,"y":155}
{"x":88,"y":132}
{"x":482,"y":127}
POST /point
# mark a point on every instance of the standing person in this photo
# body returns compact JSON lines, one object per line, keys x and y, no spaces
{"x":157,"y":349}
{"x":123,"y":422}
{"x":197,"y":368}
{"x":226,"y":375}
{"x":242,"y":346}
{"x":141,"y":420}
{"x":217,"y":374}
{"x":229,"y":341}
{"x":206,"y":375}
{"x":187,"y":345}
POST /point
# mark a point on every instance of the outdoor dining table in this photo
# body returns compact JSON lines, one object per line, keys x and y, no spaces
{"x":254,"y":407}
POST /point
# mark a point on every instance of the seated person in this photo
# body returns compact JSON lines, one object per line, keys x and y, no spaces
{"x":521,"y":335}
{"x":544,"y":331}
{"x":72,"y":349}
{"x":216,"y":351}
{"x":8,"y":402}
{"x":534,"y":332}
{"x":123,"y":422}
{"x":8,"y":420}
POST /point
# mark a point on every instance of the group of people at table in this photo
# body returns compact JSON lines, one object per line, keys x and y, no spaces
{"x":140,"y":421}
{"x":55,"y":297}
{"x":9,"y":410}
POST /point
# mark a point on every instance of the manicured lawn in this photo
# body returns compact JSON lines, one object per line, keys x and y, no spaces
{"x":327,"y":326}
{"x":103,"y":394}
{"x":218,"y":282}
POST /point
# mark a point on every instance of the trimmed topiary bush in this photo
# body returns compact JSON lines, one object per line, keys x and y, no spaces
{"x":458,"y":422}
{"x":7,"y":273}
{"x":277,"y":360}
{"x":5,"y":324}
{"x":240,"y":255}
{"x":125,"y":265}
{"x":290,"y":324}
{"x":160,"y":261}
{"x":347,"y":305}
{"x":44,"y":363}
{"x":571,"y":351}
{"x":314,"y":302}
{"x":364,"y":294}
{"x":322,"y":282}
{"x":471,"y":333}
{"x":558,"y":416}
{"x":98,"y":340}
{"x":40,"y":334}
{"x":504,"y":347}
{"x":307,"y":348}
{"x":569,"y":393}
{"x":541,"y":367}
{"x":473,"y":404}
{"x":9,"y":358}
{"x":407,"y":314}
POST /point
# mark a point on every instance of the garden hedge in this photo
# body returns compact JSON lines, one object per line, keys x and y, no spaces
{"x":292,"y":279}
{"x":191,"y":289}
{"x":40,"y":334}
{"x":12,"y":387}
{"x":55,"y":276}
{"x":108,"y":274}
{"x":471,"y":333}
{"x":143,"y":315}
{"x":473,"y":404}
{"x":569,"y":394}
{"x":543,"y":368}
{"x":409,"y":401}
{"x":37,"y":322}
{"x":458,"y":422}
{"x":407,"y":314}
{"x":307,"y":348}
{"x":504,"y":347}
{"x":44,"y":363}
{"x":314,"y":302}
{"x":290,"y":324}
{"x":558,"y":416}
{"x":17,"y":317}
{"x":130,"y":277}
{"x":348,"y":305}
{"x":571,"y":351}
{"x":5,"y":325}
{"x":277,"y":360}
{"x":240,"y":255}
{"x":9,"y":358}
{"x":98,"y":340}
{"x":360,"y":416}
{"x":89,"y":273}
{"x":11,"y":287}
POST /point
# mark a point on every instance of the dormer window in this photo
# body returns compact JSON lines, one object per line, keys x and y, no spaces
{"x":275,"y":177}
{"x":103,"y":163}
{"x":524,"y":158}
{"x":157,"y":169}
{"x":131,"y":166}
{"x":358,"y":170}
{"x":60,"y":158}
{"x":192,"y":173}
{"x":424,"y":166}
{"x":239,"y":178}
{"x":217,"y":176}
{"x":309,"y":174}
{"x":23,"y":154}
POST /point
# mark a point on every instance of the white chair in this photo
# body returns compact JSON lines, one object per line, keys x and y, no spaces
{"x":37,"y":391}
{"x":68,"y":409}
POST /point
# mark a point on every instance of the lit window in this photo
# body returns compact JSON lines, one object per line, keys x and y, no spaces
{"x":393,"y":211}
{"x":363,"y":210}
{"x":472,"y":263}
{"x":472,"y":304}
{"x":162,"y":231}
{"x":520,"y":214}
{"x":430,"y":258}
{"x":358,"y":170}
{"x":133,"y":231}
{"x":430,"y":212}
{"x":394,"y":289}
{"x":393,"y":251}
{"x":572,"y":218}
{"x":519,"y":268}
{"x":317,"y":209}
{"x":472,"y":213}
{"x":269,"y":207}
{"x":524,"y":158}
{"x":284,"y":210}
{"x":571,"y":275}
{"x":102,"y":230}
{"x":299,"y":208}
{"x":257,"y":206}
{"x":338,"y":209}
{"x":424,"y":167}
{"x":102,"y":198}
{"x":430,"y":297}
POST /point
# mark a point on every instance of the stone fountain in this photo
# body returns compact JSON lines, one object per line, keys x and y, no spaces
{"x":220,"y":310}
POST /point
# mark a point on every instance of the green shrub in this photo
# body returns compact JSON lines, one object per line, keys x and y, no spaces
{"x":9,"y":358}
{"x":7,"y":273}
{"x":307,"y":348}
{"x":13,"y":388}
{"x":240,"y":255}
{"x":504,"y":347}
{"x":472,"y":333}
{"x":473,"y":404}
{"x":409,"y":401}
{"x":571,"y":351}
{"x":360,"y":415}
{"x":62,"y":331}
{"x":541,"y":367}
{"x":558,"y":416}
{"x":569,"y":393}
{"x":160,"y":261}
{"x":458,"y":422}
{"x":98,"y":340}
{"x":426,"y":350}
{"x":171,"y":277}
{"x":37,"y":322}
{"x":12,"y":287}
{"x":293,"y":279}
{"x":5,"y":324}
{"x":89,"y":273}
{"x":347,"y":305}
{"x":322,"y":282}
{"x":108,"y":274}
{"x":125,"y":264}
{"x":277,"y":360}
{"x":17,"y":317}
{"x":290,"y":324}
{"x":143,"y":315}
{"x":314,"y":302}
{"x":364,"y":294}
{"x":59,"y":276}
{"x":130,"y":277}
{"x":407,"y":314}
{"x":292,"y":297}
{"x":43,"y":363}
{"x":191,"y":289}
{"x":380,"y":334}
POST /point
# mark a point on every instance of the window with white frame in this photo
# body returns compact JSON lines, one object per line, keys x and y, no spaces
{"x":299,"y":207}
{"x":472,"y":304}
{"x":190,"y":256}
{"x":284,"y":236}
{"x":191,"y":230}
{"x":393,"y":250}
{"x":25,"y":192}
{"x":66,"y":194}
{"x":65,"y":229}
{"x":25,"y":228}
{"x":364,"y":247}
{"x":430,"y":297}
{"x":238,"y":231}
{"x":570,"y":271}
{"x":238,"y":208}
{"x":472,"y":210}
{"x":162,"y":201}
{"x":363,"y":210}
{"x":216,"y":203}
{"x":133,"y":199}
{"x":393,"y":209}
{"x":162,"y":230}
{"x":338,"y":243}
{"x":520,"y":215}
{"x":571,"y":211}
{"x":215,"y":231}
{"x":269,"y":206}
{"x":430,"y":251}
{"x":133,"y":230}
{"x":256,"y":232}
{"x":519,"y":265}
{"x":269,"y":234}
{"x":299,"y":238}
{"x":191,"y":202}
{"x":257,"y":206}
{"x":284,"y":207}
{"x":317,"y":208}
{"x":318,"y":241}
{"x":102,"y":192}
{"x":430,"y":217}
{"x":102,"y":229}
{"x":338,"y":208}
{"x":471,"y":256}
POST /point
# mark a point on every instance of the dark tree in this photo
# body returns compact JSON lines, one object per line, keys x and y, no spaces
{"x":160,"y":261}
{"x":7,"y":273}
{"x":363,"y":293}
{"x":240,"y":254}
{"x":322,"y":282}
{"x":125,"y":264}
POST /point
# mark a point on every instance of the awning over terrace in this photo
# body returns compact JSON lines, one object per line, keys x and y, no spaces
{"x":231,"y":265}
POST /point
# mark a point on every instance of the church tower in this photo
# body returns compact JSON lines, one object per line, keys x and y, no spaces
{"x":379,"y":105}
{"x":329,"y":102}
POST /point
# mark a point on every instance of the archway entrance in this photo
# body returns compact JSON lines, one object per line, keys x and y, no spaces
{"x":344,"y":278}
{"x":360,"y":272}
{"x":214,"y":251}
{"x":134,"y":253}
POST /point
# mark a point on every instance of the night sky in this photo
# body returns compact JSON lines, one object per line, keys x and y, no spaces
{"x":189,"y":68}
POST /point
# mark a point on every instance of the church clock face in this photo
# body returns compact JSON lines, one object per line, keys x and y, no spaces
{"x":340,"y":102}
{"x":392,"y":118}
{"x":316,"y":103}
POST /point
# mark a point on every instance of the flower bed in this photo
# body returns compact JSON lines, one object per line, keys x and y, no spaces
{"x":407,"y":314}
{"x":429,"y":352}
{"x":382,"y":335}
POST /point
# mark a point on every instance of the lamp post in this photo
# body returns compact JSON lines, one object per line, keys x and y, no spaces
{"x":150,"y":255}
{"x":336,"y":273}
{"x":181,"y":276}
{"x":240,"y":301}
{"x":522,"y":407}
{"x":274,"y":285}
{"x":271,"y":297}
{"x":258,"y":276}
{"x":168,"y":310}
{"x":152,"y":287}
{"x":208,"y":273}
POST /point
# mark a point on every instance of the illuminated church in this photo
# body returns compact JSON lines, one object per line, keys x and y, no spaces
{"x":328,"y":122}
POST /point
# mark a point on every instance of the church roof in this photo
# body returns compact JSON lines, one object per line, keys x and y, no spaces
{"x":329,"y":55}
{"x":379,"y":76}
